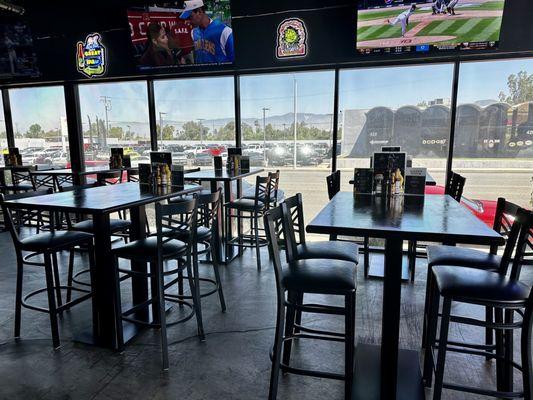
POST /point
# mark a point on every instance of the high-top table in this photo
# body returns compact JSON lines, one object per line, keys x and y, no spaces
{"x":387,"y":372}
{"x":214,"y":177}
{"x":100,"y":202}
{"x":57,"y":177}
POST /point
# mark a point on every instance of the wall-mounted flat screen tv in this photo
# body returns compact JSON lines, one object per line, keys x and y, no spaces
{"x":182,"y":33}
{"x":399,"y":27}
{"x":17,"y":54}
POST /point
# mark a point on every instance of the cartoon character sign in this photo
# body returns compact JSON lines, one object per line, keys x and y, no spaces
{"x":91,"y":56}
{"x":292,"y":39}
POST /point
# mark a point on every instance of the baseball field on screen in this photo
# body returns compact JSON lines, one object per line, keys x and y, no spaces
{"x":474,"y":21}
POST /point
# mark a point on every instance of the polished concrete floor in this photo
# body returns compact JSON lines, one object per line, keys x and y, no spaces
{"x":232,"y":363}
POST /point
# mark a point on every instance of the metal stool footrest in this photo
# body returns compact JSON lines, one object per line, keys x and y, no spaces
{"x":65,"y":306}
{"x":209,"y":293}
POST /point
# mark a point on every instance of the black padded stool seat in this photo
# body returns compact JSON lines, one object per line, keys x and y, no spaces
{"x":246,"y":205}
{"x":146,"y":249}
{"x":470,"y":283}
{"x":321,"y":276}
{"x":54,"y":241}
{"x":116,"y":225}
{"x":462,"y":256}
{"x":202,"y":233}
{"x":335,"y":250}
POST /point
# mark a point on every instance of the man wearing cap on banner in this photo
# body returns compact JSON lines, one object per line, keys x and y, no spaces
{"x":213,"y":40}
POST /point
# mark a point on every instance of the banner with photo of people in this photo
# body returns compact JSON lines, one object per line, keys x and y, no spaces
{"x":182,"y":33}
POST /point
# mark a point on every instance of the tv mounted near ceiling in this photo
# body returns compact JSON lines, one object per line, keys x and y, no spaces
{"x":400,"y":27}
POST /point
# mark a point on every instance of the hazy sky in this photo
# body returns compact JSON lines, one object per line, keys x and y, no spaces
{"x":212,"y":98}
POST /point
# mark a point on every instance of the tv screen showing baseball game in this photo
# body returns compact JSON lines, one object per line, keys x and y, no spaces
{"x":399,"y":27}
{"x":182,"y":33}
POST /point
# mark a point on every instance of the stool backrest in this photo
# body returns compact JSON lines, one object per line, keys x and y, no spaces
{"x":524,"y":242}
{"x":175,"y":219}
{"x":208,"y":208}
{"x":274,"y":186}
{"x":455,"y":186}
{"x":19,"y":175}
{"x":8,"y":216}
{"x":333,"y":182}
{"x":503,"y":219}
{"x":132,"y":174}
{"x":272,"y":219}
{"x":295,"y":215}
{"x":109,"y":177}
{"x":262,"y":190}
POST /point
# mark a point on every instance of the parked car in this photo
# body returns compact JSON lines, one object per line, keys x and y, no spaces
{"x":485,"y":210}
{"x":197,"y":148}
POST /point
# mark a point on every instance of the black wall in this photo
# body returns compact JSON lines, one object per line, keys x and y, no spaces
{"x":331,"y":24}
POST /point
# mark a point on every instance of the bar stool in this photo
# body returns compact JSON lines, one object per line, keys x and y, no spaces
{"x":174,"y":221}
{"x":274,"y":190}
{"x":506,"y":213}
{"x":207,"y":236}
{"x":506,"y":294}
{"x":333,"y":183}
{"x":252,"y":210}
{"x":454,"y":187}
{"x":46,"y":245}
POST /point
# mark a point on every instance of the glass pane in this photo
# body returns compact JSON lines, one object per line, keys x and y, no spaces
{"x":493,"y":145}
{"x":287,"y":125}
{"x":115,"y":115}
{"x":40,"y":125}
{"x":398,"y":106}
{"x":3,"y":139}
{"x":197,"y":116}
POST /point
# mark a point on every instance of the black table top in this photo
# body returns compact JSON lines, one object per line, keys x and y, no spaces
{"x":218,"y":176}
{"x":432,"y":218}
{"x":102,"y":199}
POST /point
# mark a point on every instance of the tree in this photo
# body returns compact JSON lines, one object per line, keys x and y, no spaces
{"x":227,"y":132}
{"x":168,"y":132}
{"x":520,"y":87}
{"x":193,"y":131}
{"x":34,"y":131}
{"x":116,"y":132}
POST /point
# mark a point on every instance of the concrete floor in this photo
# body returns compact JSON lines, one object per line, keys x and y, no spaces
{"x":233,"y":363}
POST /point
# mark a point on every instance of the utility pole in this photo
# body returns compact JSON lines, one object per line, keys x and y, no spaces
{"x":107,"y":107}
{"x":264,"y":135}
{"x":295,"y":120}
{"x":90,"y":131}
{"x":201,"y":129}
{"x":161,"y":124}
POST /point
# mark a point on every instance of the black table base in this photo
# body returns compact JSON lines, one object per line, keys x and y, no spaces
{"x":377,"y":270}
{"x":367,"y":374}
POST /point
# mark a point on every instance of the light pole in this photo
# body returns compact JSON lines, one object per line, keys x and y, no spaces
{"x":264,"y":134}
{"x":161,"y":124}
{"x":201,"y":129}
{"x":295,"y":120}
{"x":129,"y":132}
{"x":107,"y":107}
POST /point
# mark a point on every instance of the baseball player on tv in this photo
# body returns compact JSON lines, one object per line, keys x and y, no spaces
{"x":403,"y":18}
{"x":213,"y":40}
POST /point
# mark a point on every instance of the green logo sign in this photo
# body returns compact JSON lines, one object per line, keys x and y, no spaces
{"x":91,"y":57}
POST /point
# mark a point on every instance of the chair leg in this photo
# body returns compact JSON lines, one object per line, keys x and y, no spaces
{"x":525,"y":353}
{"x":292,"y":298}
{"x":489,"y":333}
{"x":427,"y":307}
{"x":257,"y":247}
{"x":443,"y":343}
{"x":194,"y":285}
{"x":70,"y":275}
{"x":500,"y":351}
{"x":155,"y":299}
{"x":366,"y":255}
{"x":180,"y":283}
{"x":411,"y":256}
{"x":118,"y":308}
{"x":431,"y":333}
{"x":349,"y":319}
{"x":508,"y":351}
{"x":18,"y":296}
{"x":51,"y":300}
{"x":160,"y":287}
{"x":276,"y":356}
{"x":217,"y":276}
{"x":298,"y":319}
{"x":57,"y":281}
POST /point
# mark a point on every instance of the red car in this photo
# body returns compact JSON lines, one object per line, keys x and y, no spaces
{"x":485,"y":210}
